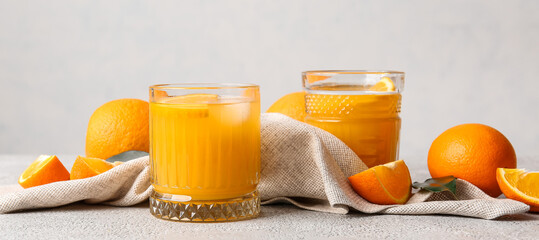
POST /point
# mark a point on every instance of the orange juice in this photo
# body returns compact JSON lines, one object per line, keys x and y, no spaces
{"x":359,"y":107}
{"x":368,"y":123}
{"x":205,"y":146}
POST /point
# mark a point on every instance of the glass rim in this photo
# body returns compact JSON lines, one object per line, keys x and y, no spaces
{"x":203,"y":86}
{"x":365,"y":72}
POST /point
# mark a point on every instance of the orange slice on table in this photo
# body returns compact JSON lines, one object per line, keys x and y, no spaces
{"x":45,"y":169}
{"x":517,"y":184}
{"x":384,"y":85}
{"x":384,"y":184}
{"x":85,"y":167}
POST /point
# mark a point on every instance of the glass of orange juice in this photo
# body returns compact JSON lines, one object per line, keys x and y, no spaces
{"x":205,"y":151}
{"x":359,"y":107}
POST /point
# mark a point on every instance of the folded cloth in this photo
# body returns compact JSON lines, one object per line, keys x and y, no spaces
{"x":300,"y":164}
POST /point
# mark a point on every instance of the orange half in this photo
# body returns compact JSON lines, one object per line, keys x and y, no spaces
{"x":517,"y":184}
{"x":384,"y":184}
{"x":85,"y":167}
{"x":45,"y":169}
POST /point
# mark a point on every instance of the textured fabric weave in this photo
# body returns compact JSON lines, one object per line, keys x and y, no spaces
{"x":301,"y":165}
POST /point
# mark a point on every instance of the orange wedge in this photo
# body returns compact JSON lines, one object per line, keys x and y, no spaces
{"x":517,"y":184}
{"x":384,"y":184}
{"x":85,"y":167}
{"x":384,"y":85}
{"x":45,"y":169}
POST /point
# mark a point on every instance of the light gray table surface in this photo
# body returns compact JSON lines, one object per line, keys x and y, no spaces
{"x":82,"y":221}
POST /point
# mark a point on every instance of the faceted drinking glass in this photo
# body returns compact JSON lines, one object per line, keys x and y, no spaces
{"x":359,"y":107}
{"x":205,"y":151}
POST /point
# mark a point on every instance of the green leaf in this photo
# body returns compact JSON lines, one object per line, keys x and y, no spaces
{"x":126,"y":156}
{"x":448,"y":183}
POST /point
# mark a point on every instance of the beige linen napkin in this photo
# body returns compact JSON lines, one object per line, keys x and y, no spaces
{"x":301,"y":164}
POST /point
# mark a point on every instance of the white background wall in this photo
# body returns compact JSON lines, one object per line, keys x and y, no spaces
{"x":466,"y":60}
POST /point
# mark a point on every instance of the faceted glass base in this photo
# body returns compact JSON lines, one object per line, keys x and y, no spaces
{"x":223,"y":210}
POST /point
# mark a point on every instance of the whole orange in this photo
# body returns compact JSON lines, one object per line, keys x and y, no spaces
{"x":118,"y":126}
{"x":292,"y":105}
{"x":472,"y":152}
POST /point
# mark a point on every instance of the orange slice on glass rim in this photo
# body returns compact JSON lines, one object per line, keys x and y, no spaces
{"x":384,"y":85}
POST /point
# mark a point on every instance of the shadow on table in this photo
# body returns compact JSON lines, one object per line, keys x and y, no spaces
{"x":507,"y":218}
{"x":282,"y":208}
{"x":519,"y":217}
{"x":81,"y":206}
{"x":275,"y":210}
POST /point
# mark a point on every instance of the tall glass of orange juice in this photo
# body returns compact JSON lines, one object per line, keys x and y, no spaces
{"x":205,"y":151}
{"x":359,"y":107}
